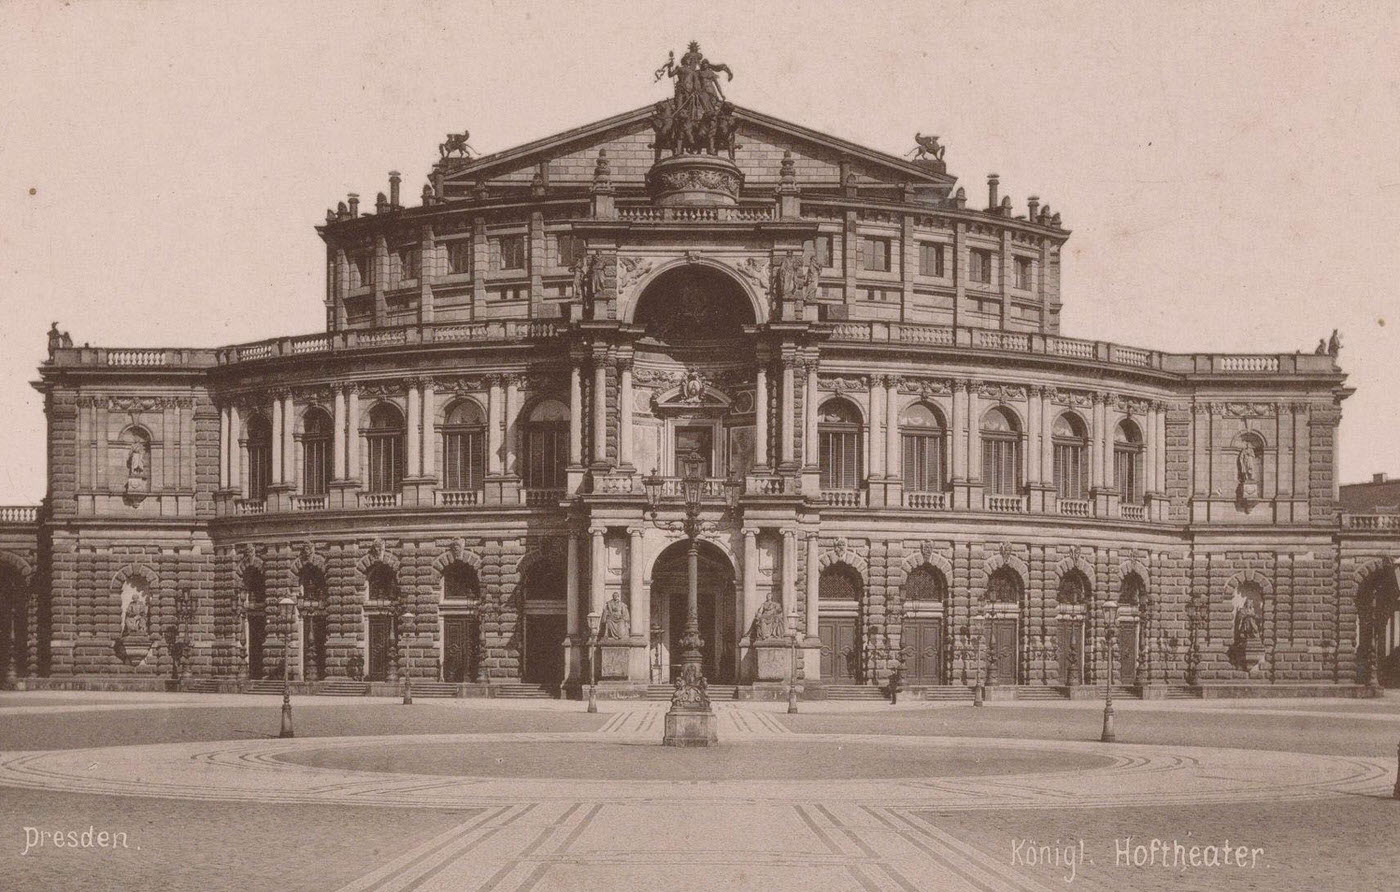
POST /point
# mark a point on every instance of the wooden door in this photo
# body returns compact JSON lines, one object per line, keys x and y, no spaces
{"x":459,"y":637}
{"x":544,"y":648}
{"x":923,"y":639}
{"x":1004,"y":650}
{"x":840,"y":657}
{"x":379,"y":629}
{"x":257,"y":634}
{"x":1071,"y":648}
{"x":1127,"y":646}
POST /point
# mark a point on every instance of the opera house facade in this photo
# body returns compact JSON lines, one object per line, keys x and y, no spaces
{"x":847,"y":369}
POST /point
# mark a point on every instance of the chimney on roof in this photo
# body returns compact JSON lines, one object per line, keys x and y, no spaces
{"x":354,"y":199}
{"x":1032,"y":206}
{"x":1381,"y":477}
{"x":394,"y":181}
{"x":992,"y":182}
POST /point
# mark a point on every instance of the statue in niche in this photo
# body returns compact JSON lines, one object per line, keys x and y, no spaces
{"x":1245,"y":471}
{"x":1248,"y":623}
{"x":768,"y":622}
{"x":137,"y":464}
{"x":617,"y":620}
{"x":786,"y":274}
{"x":135,"y":616}
{"x":811,"y":279}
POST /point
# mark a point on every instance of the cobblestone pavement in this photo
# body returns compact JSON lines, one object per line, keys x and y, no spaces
{"x":906,"y":798}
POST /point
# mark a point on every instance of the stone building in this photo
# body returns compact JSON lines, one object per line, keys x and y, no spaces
{"x":898,"y":447}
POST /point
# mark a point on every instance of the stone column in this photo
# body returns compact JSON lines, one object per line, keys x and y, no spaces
{"x":429,"y":413}
{"x":352,"y":435}
{"x":958,"y":431}
{"x":814,"y":573}
{"x":1160,"y":442}
{"x":493,"y":427}
{"x":1149,"y":449}
{"x":789,"y":583}
{"x":289,"y":423}
{"x":598,"y":569}
{"x":809,"y":408}
{"x":575,"y":415}
{"x":1096,"y":444}
{"x":893,"y":459}
{"x":639,"y":599}
{"x":875,"y":468}
{"x":750,"y":570}
{"x":414,"y":432}
{"x":571,"y":594}
{"x":974,"y":435}
{"x":338,"y":436}
{"x":224,"y":451}
{"x":509,"y":427}
{"x":276,"y":440}
{"x":789,"y":414}
{"x":760,"y":409}
{"x":1033,"y":435}
{"x":1106,"y":450}
{"x":624,"y":414}
{"x":1047,"y":441}
{"x":235,"y":443}
{"x":600,"y":411}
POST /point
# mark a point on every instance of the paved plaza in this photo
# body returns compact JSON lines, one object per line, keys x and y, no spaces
{"x":157,"y":791}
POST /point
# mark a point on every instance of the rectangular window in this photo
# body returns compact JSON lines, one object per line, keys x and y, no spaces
{"x":923,"y":463}
{"x":839,"y":456}
{"x":930,"y":259}
{"x":979,"y":266}
{"x":876,"y":253}
{"x":1001,"y":466}
{"x":1127,"y":475}
{"x":385,"y":463}
{"x":546,"y":455}
{"x":570,"y":249}
{"x":462,"y":459}
{"x":699,"y":440}
{"x":259,"y":467}
{"x":409,"y":262}
{"x":459,"y":257}
{"x":1071,"y":480}
{"x":1023,"y":273}
{"x":512,"y":252}
{"x":316,"y":466}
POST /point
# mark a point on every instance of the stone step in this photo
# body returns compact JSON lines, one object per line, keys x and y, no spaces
{"x":263,"y":686}
{"x":854,"y":692}
{"x":1041,"y":692}
{"x":948,"y":692}
{"x":200,"y":685}
{"x":663,"y":692}
{"x":1183,"y":692}
{"x":343,"y":688}
{"x":434,"y":689}
{"x":523,"y":691}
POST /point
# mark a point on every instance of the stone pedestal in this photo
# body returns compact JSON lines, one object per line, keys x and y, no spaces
{"x":615,"y":662}
{"x":774,"y":660}
{"x":691,"y":728}
{"x":695,"y":181}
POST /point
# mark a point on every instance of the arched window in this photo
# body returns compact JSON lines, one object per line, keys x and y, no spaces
{"x":1071,"y":442}
{"x":546,"y":453}
{"x":1004,"y":587}
{"x":459,"y":583}
{"x":1127,"y":462}
{"x":1132,"y":592}
{"x":463,"y":448}
{"x":315,"y":452}
{"x":925,"y":438}
{"x":839,"y":583}
{"x":839,"y":447}
{"x":259,"y":457}
{"x":1001,"y":453}
{"x":925,"y":584}
{"x":385,"y":438}
{"x":1074,"y":588}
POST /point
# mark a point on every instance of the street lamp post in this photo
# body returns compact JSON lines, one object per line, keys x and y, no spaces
{"x":690,"y":721}
{"x":978,"y":691}
{"x":595,"y":621}
{"x":792,"y":671}
{"x":287,"y":605}
{"x":406,"y":624}
{"x":1110,"y":619}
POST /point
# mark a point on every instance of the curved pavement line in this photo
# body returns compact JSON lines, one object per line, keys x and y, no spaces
{"x":253,"y":770}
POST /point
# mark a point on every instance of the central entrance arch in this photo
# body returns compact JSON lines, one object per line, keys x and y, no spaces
{"x":715,"y":609}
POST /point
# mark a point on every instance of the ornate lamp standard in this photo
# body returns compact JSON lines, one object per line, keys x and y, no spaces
{"x":690,"y":721}
{"x":406,"y":623}
{"x":287,"y":605}
{"x":1110,"y":633}
{"x":595,"y":622}
{"x":792,"y":672}
{"x":978,"y":691}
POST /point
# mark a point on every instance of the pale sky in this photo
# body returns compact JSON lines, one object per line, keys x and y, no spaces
{"x":1230,"y":171}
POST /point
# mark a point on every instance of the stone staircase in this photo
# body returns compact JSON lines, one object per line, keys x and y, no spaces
{"x":514,"y":690}
{"x":863,"y":692}
{"x":663,"y":692}
{"x":201,"y":686}
{"x":949,"y":693}
{"x":263,"y":686}
{"x":1183,"y":692}
{"x":434,"y":689}
{"x":1041,"y":692}
{"x":343,"y":688}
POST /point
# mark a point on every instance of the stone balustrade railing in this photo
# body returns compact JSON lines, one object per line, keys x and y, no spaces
{"x":743,"y":214}
{"x":1371,"y":523}
{"x":19,"y":513}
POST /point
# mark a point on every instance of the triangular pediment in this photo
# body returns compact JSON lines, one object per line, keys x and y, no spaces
{"x":761,"y":141}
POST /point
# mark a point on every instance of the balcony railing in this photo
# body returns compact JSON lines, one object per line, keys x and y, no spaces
{"x":19,"y":513}
{"x":649,"y":214}
{"x":1074,"y":507}
{"x":458,"y":498}
{"x":310,"y":503}
{"x":1132,"y":512}
{"x":710,"y":488}
{"x":844,"y":498}
{"x":937,"y":501}
{"x":1004,"y":504}
{"x":541,"y":497}
{"x":770,"y":485}
{"x":379,"y":500}
{"x":1372,"y":523}
{"x":250,"y":506}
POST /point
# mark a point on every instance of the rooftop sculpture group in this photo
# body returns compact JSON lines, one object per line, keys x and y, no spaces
{"x":698,"y":118}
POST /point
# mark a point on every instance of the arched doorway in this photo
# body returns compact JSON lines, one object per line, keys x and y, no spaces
{"x":715,"y":609}
{"x":382,"y":625}
{"x":1132,"y":598}
{"x":1004,"y":591}
{"x":14,"y":632}
{"x":838,"y":624}
{"x":1378,"y":603}
{"x":543,"y":602}
{"x":1071,"y":599}
{"x":315,"y":597}
{"x":461,"y":623}
{"x":256,"y":589}
{"x":925,"y":592}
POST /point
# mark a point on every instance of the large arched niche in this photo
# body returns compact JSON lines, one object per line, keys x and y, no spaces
{"x":693,"y":303}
